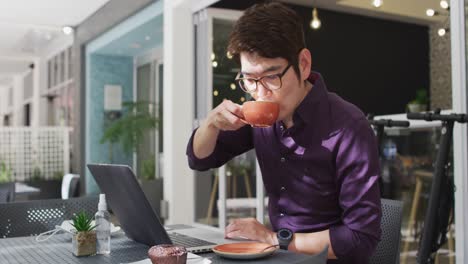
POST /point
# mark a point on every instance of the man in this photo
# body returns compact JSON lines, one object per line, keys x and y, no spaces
{"x":319,"y":161}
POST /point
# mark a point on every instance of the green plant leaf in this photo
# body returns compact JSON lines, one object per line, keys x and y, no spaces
{"x":137,"y":119}
{"x":82,"y":222}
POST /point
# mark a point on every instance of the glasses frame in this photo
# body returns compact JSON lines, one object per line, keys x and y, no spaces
{"x":279,"y":75}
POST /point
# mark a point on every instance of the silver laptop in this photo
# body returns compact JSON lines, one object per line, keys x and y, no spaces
{"x":140,"y":223}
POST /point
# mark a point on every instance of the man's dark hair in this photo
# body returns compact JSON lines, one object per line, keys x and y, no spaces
{"x":270,"y":30}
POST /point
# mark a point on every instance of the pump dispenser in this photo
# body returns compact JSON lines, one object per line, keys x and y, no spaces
{"x":102,"y":219}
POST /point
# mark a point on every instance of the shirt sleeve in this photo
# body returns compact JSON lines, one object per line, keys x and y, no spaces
{"x":358,"y":177}
{"x":228,"y":145}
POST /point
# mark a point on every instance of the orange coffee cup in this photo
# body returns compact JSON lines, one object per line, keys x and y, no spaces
{"x":260,"y":113}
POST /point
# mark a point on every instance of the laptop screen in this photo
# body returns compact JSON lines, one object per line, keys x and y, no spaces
{"x":128,"y":202}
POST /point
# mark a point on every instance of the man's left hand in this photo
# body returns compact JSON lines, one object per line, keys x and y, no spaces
{"x":251,"y":229}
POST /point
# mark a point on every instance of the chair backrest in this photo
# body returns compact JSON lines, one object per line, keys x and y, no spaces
{"x":7,"y":192}
{"x":37,"y":216}
{"x":70,"y":185}
{"x":388,"y":249}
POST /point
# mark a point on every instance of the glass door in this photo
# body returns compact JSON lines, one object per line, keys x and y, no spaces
{"x":145,"y":95}
{"x":230,"y":191}
{"x":149,"y":154}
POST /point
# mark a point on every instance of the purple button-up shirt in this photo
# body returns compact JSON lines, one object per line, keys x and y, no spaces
{"x":321,"y":173}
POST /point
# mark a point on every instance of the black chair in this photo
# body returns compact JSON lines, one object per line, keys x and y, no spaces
{"x":7,"y":192}
{"x":38,"y":216}
{"x":388,"y":249}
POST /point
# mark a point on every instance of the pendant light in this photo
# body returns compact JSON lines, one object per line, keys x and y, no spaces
{"x":315,"y":23}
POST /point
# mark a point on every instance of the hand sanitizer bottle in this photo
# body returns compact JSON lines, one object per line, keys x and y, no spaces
{"x":102,"y":219}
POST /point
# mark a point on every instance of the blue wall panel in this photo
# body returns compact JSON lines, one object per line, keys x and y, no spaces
{"x":103,"y":70}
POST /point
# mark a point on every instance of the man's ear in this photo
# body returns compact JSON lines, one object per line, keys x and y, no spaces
{"x":305,"y":63}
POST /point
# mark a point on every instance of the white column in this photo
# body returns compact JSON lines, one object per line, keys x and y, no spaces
{"x":460,"y":139}
{"x":43,"y":76}
{"x":18,"y":82}
{"x":36,"y":94}
{"x":178,"y":109}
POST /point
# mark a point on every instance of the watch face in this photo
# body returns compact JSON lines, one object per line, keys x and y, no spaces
{"x":285,"y":234}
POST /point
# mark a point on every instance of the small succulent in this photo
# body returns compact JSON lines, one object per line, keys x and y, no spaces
{"x":82,"y":222}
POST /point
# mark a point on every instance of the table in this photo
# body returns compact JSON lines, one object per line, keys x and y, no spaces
{"x":21,"y":188}
{"x":57,"y":250}
{"x":22,"y":191}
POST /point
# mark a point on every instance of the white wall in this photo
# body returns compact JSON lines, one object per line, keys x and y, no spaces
{"x":58,"y":45}
{"x":38,"y":102}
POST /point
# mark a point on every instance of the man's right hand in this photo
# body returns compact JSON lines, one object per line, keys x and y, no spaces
{"x":226,"y":116}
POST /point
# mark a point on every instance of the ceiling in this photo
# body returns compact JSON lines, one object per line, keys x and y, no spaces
{"x":137,"y":41}
{"x":410,"y":11}
{"x":28,"y":27}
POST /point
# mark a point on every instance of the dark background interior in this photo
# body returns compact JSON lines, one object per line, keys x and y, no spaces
{"x":375,"y":64}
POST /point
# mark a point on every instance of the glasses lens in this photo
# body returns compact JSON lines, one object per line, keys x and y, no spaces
{"x":272,"y":82}
{"x":249,"y":85}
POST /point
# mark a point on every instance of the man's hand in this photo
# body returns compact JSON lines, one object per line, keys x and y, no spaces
{"x":251,"y":229}
{"x":226,"y":116}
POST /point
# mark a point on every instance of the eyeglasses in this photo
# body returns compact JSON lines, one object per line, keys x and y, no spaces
{"x":271,"y":82}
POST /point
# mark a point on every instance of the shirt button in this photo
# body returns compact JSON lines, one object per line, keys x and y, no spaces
{"x":283,"y":189}
{"x":283,"y":159}
{"x":282,"y":127}
{"x":281,"y":214}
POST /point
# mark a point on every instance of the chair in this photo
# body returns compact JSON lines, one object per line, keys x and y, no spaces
{"x":7,"y":192}
{"x":388,"y":249}
{"x":70,"y":186}
{"x":37,"y":216}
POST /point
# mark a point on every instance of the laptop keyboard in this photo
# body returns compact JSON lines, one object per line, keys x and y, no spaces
{"x":188,"y":241}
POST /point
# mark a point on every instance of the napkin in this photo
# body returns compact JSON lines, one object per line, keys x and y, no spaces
{"x":191,"y":259}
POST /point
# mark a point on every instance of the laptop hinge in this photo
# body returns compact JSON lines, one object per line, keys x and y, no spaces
{"x":164,"y":208}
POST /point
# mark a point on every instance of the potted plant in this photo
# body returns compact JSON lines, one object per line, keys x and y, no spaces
{"x":5,"y":173}
{"x":151,"y":186}
{"x":137,"y":120}
{"x":84,"y":236}
{"x":419,"y":104}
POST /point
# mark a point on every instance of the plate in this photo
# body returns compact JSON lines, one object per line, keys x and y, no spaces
{"x":246,"y":250}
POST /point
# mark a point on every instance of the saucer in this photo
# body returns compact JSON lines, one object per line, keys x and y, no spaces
{"x":247,"y":250}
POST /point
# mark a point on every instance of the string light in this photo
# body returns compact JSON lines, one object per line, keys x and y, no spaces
{"x":377,"y":3}
{"x":315,"y":23}
{"x":442,"y":31}
{"x":444,"y":4}
{"x":431,"y":12}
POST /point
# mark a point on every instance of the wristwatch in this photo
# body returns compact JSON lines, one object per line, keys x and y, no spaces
{"x":285,"y":237}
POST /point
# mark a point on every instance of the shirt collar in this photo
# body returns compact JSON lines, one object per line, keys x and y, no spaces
{"x":314,"y":103}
